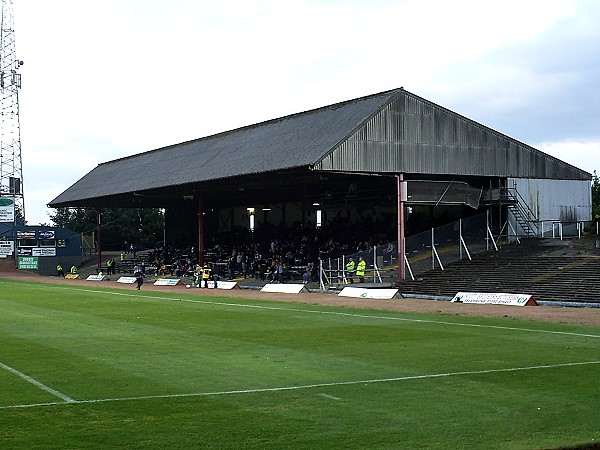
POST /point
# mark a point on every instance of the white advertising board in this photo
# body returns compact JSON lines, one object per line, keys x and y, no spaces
{"x":126,"y":280}
{"x":224,"y":285}
{"x":284,"y":288}
{"x":6,"y":248}
{"x":95,"y":278}
{"x":220,"y":285}
{"x":167,"y":281}
{"x":7,"y":209}
{"x":382,"y":294}
{"x":43,"y":252}
{"x":495,"y":298}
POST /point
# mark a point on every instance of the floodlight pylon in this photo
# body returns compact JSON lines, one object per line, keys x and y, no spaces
{"x":11,"y":165}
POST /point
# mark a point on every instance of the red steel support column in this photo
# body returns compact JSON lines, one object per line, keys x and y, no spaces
{"x":98,"y":241}
{"x":401,"y":263}
{"x":200,"y":232}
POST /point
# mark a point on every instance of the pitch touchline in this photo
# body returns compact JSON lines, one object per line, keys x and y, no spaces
{"x":38,"y":384}
{"x":307,"y":386}
{"x":333,"y":313}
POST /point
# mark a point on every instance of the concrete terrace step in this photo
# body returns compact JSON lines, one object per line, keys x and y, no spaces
{"x":562,"y":272}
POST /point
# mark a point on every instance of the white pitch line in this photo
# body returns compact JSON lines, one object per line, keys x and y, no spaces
{"x":307,"y":386}
{"x":38,"y":384}
{"x":330,"y":397}
{"x":346,"y":314}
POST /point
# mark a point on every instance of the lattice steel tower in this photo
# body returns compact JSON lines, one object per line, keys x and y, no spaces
{"x":11,"y":170}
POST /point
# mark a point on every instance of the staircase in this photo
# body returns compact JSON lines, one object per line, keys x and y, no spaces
{"x":524,"y":217}
{"x":516,"y":204}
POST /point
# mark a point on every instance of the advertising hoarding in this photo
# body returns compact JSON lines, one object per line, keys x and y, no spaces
{"x":28,"y":263}
{"x":7,"y":209}
{"x":6,"y":248}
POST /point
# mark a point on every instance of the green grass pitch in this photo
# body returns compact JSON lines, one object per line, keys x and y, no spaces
{"x":101,"y":368}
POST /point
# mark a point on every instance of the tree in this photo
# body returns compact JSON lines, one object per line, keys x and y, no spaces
{"x":595,"y":197}
{"x":140,"y":226}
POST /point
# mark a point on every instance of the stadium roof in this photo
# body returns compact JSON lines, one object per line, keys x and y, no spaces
{"x":385,"y":133}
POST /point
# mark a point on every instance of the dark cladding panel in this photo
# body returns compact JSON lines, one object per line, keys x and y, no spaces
{"x":412,"y":135}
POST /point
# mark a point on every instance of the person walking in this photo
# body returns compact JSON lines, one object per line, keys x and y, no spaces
{"x":138,"y":273}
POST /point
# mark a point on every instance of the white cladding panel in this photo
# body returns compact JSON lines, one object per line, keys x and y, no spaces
{"x":567,"y":201}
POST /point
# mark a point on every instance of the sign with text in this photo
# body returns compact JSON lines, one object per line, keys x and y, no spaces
{"x":220,"y":285}
{"x":167,"y":281}
{"x":382,"y":294}
{"x":71,"y":276}
{"x":126,"y":280}
{"x":46,"y":234}
{"x":95,"y":278}
{"x":43,"y":251}
{"x":495,"y":298}
{"x":224,"y":285}
{"x":7,"y":209}
{"x":24,"y":234}
{"x":28,"y":263}
{"x":6,"y":248}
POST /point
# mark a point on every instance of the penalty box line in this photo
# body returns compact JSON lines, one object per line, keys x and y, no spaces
{"x":307,"y":386}
{"x":36,"y":383}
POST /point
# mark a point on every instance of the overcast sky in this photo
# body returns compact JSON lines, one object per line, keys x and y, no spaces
{"x":104,"y":79}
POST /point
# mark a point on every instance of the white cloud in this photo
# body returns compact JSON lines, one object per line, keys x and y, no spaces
{"x":581,"y":154}
{"x":105,"y":79}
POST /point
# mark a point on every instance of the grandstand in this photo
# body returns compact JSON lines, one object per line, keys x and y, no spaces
{"x":388,"y":167}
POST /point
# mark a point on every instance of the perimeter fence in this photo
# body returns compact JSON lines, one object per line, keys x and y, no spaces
{"x":440,"y":246}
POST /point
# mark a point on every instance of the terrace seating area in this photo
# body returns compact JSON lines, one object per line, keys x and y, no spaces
{"x":548,"y":269}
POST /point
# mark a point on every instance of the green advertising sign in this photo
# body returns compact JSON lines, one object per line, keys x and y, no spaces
{"x":28,"y":263}
{"x":6,"y":201}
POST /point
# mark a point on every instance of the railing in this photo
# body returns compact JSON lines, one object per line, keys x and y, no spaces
{"x":557,"y":229}
{"x":424,"y":251}
{"x":438,"y":247}
{"x":523,"y":215}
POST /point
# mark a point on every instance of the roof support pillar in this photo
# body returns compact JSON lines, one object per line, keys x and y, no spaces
{"x":98,"y":240}
{"x":201,"y":231}
{"x":401,"y":196}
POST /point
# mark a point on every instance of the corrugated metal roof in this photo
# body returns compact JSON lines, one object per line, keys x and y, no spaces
{"x":389,"y":132}
{"x":284,"y":143}
{"x":414,"y":136}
